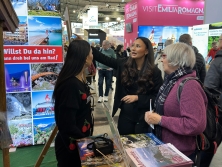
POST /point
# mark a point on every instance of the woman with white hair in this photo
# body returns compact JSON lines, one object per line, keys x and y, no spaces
{"x":179,"y":121}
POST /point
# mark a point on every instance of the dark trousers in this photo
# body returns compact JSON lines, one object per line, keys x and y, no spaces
{"x":107,"y":74}
{"x":206,"y":159}
{"x":128,"y":125}
{"x":64,"y":156}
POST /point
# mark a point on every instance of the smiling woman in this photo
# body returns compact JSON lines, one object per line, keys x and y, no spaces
{"x":137,"y":81}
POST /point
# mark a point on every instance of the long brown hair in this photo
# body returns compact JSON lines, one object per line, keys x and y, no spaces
{"x":143,"y":78}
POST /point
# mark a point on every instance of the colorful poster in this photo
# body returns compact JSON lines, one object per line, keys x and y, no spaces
{"x":159,"y":34}
{"x":215,"y":30}
{"x":18,"y":106}
{"x":200,"y":38}
{"x":21,"y":132}
{"x":20,"y":36}
{"x":43,"y":129}
{"x":44,"y":76}
{"x":33,"y":60}
{"x":17,"y":77}
{"x":42,"y":105}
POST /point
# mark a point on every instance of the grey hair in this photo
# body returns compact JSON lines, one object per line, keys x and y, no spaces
{"x":106,"y":42}
{"x":180,"y":54}
{"x":168,"y":42}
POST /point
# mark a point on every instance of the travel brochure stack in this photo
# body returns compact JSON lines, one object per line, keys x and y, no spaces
{"x":145,"y":150}
{"x":134,"y":150}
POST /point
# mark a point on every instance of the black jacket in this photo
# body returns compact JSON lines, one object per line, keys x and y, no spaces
{"x":120,"y":56}
{"x":200,"y":66}
{"x":213,"y":78}
{"x":118,"y":64}
{"x":214,"y":75}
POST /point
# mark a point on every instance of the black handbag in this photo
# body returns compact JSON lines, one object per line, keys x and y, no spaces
{"x":103,"y":144}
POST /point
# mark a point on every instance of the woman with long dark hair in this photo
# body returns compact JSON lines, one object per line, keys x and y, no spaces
{"x":120,"y":51}
{"x":72,"y":104}
{"x":137,"y":82}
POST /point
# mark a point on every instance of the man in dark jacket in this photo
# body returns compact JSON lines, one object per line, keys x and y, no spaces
{"x":214,"y":75}
{"x":199,"y":67}
{"x":213,"y":80}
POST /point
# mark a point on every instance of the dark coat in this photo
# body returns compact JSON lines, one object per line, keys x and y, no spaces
{"x":118,"y":64}
{"x":213,"y":78}
{"x":120,"y":56}
{"x":200,"y":66}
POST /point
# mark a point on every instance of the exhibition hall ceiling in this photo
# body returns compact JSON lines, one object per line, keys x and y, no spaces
{"x":106,"y":8}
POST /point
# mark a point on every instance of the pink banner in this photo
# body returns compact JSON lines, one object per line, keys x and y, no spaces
{"x":170,"y":12}
{"x":131,"y":22}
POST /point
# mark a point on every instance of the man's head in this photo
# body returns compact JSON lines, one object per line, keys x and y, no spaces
{"x":186,"y":38}
{"x":106,"y":45}
{"x":168,"y":42}
{"x":220,"y":42}
{"x":93,"y":44}
{"x":214,"y":45}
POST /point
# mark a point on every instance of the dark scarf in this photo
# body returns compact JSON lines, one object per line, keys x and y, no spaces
{"x":164,"y":90}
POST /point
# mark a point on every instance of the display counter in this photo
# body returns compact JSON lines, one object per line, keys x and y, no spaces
{"x":138,"y":150}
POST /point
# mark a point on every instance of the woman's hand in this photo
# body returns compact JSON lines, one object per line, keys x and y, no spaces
{"x":152,"y":118}
{"x":130,"y":98}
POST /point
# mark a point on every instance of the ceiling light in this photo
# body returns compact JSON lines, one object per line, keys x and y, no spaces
{"x":117,"y":9}
{"x":74,"y":11}
{"x":107,"y":18}
{"x":118,"y":18}
{"x":107,"y":5}
{"x":80,"y":17}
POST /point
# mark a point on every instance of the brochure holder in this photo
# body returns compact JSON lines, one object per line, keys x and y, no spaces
{"x":116,"y":135}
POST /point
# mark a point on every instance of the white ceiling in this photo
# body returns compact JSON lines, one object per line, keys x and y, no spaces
{"x":106,"y":8}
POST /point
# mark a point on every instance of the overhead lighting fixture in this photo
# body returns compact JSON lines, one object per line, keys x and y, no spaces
{"x":107,"y":5}
{"x":107,"y":18}
{"x":74,"y":11}
{"x":118,"y":18}
{"x":80,"y":17}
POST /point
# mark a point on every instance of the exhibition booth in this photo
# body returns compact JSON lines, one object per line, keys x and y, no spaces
{"x":33,"y":55}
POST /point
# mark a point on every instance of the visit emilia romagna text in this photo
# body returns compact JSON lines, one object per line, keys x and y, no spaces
{"x":173,"y":9}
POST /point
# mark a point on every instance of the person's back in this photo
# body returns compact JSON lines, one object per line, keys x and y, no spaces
{"x":199,"y":67}
{"x":213,"y":80}
{"x":214,"y":75}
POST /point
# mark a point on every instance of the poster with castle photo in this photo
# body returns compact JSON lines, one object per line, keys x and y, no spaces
{"x":44,"y":76}
{"x":44,"y":7}
{"x":159,"y":34}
